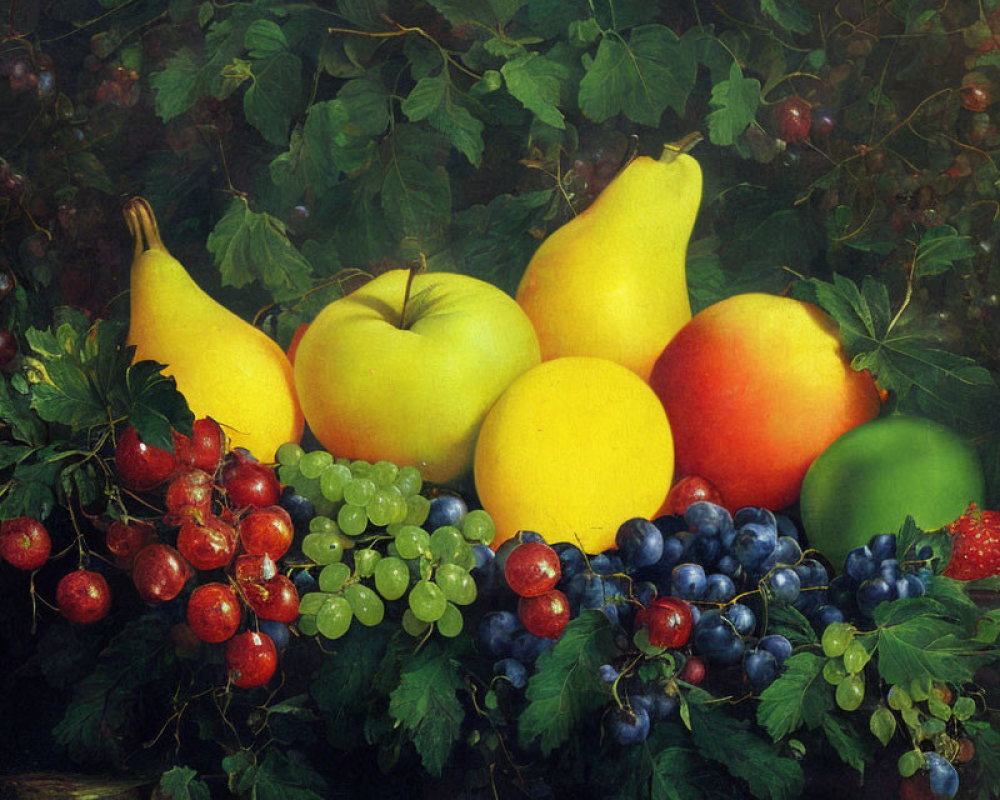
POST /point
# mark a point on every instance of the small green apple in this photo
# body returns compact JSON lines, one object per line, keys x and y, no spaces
{"x":874,"y":476}
{"x":413,"y":391}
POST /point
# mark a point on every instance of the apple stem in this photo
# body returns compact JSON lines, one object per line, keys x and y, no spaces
{"x":410,"y":273}
{"x":673,"y":149}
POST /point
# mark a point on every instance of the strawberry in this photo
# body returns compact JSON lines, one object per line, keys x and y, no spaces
{"x":975,"y":548}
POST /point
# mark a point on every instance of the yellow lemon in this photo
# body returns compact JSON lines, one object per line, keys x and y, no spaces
{"x":573,"y":448}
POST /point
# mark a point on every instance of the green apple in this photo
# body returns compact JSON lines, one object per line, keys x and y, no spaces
{"x":874,"y":476}
{"x":415,"y":390}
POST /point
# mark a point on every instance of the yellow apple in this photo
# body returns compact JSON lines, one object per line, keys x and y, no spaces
{"x":413,"y":391}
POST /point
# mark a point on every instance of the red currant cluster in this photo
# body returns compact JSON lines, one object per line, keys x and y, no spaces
{"x":532,"y":571}
{"x":228,"y":531}
{"x":121,"y":89}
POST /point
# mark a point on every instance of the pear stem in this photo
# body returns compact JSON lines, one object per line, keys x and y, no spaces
{"x":142,"y":225}
{"x":673,"y":149}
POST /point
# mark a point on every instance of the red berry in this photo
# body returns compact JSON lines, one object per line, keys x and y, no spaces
{"x":267,"y":531}
{"x":532,"y":569}
{"x":976,"y":92}
{"x":545,"y":615}
{"x":275,"y":599}
{"x":255,"y":568}
{"x":189,"y":496}
{"x":251,"y":659}
{"x":975,"y":545}
{"x":159,"y":573}
{"x":209,"y":544}
{"x":793,"y":116}
{"x":966,"y":750}
{"x":8,"y":346}
{"x":668,"y":621}
{"x":125,"y":539}
{"x":249,"y":484}
{"x":692,"y":489}
{"x":83,"y":596}
{"x":141,"y":467}
{"x":916,"y":787}
{"x":24,"y":543}
{"x":204,"y":449}
{"x":213,"y":612}
{"x":693,"y":671}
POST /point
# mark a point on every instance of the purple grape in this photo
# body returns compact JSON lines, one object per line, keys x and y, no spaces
{"x":753,"y":544}
{"x":826,"y":615}
{"x":669,"y":524}
{"x":706,"y":517}
{"x":860,"y":564}
{"x":742,"y":618}
{"x":608,"y":673}
{"x":513,"y":670}
{"x":943,"y":777}
{"x":639,"y":543}
{"x":715,"y":638}
{"x":688,"y":581}
{"x":526,"y":647}
{"x":874,"y":591}
{"x":915,"y":584}
{"x":664,"y":706}
{"x":446,"y":509}
{"x":497,"y":630}
{"x":785,"y":585}
{"x":719,"y":588}
{"x":278,"y":632}
{"x":761,"y":668}
{"x":786,"y":526}
{"x":883,"y":546}
{"x":889,"y":569}
{"x":484,"y":556}
{"x":705,"y":549}
{"x":571,"y":559}
{"x":777,"y":645}
{"x":787,"y":551}
{"x":728,"y":565}
{"x":629,"y":726}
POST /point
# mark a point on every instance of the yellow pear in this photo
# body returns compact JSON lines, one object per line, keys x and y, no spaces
{"x":611,"y":282}
{"x":225,"y":367}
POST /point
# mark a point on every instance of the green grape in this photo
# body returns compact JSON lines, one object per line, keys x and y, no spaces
{"x":321,"y":524}
{"x":412,"y":625}
{"x":333,"y":577}
{"x":410,"y":481}
{"x":898,"y":698}
{"x":323,"y":548}
{"x":450,"y":623}
{"x":417,"y":509}
{"x":392,"y":550}
{"x":465,"y":557}
{"x":400,"y":508}
{"x":392,"y":577}
{"x":342,"y":462}
{"x":836,"y":638}
{"x":458,"y":585}
{"x":352,"y":519}
{"x":288,"y":474}
{"x":855,"y":657}
{"x":289,"y":453}
{"x":412,"y":541}
{"x":910,"y":762}
{"x":477,"y":526}
{"x":314,"y":463}
{"x":850,"y":692}
{"x":360,"y":468}
{"x":380,"y":508}
{"x":920,"y":689}
{"x":427,"y":601}
{"x":834,"y":672}
{"x":446,"y":542}
{"x":311,"y":603}
{"x":332,"y":482}
{"x":383,"y":473}
{"x":365,"y":561}
{"x":334,"y":618}
{"x":308,"y":487}
{"x":307,"y":625}
{"x":359,"y":491}
{"x":366,"y":605}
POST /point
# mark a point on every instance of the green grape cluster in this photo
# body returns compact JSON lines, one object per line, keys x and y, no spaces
{"x":847,"y":656}
{"x":370,"y":546}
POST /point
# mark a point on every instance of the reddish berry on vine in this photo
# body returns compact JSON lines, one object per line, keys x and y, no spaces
{"x":83,"y":596}
{"x":532,"y":569}
{"x":267,"y":531}
{"x":159,"y":573}
{"x":275,"y":599}
{"x":793,"y":116}
{"x":205,"y":447}
{"x":251,"y":659}
{"x":545,"y":615}
{"x":688,"y":490}
{"x":668,"y":622}
{"x":141,"y":467}
{"x":209,"y":544}
{"x":248,"y":483}
{"x":125,"y":539}
{"x":189,"y":496}
{"x":24,"y":543}
{"x":213,"y":612}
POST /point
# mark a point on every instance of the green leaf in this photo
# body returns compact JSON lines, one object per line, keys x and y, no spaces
{"x":735,"y":103}
{"x":67,"y":396}
{"x":178,"y":86}
{"x":274,"y":778}
{"x":882,"y":724}
{"x":416,"y":191}
{"x":792,"y":624}
{"x":86,"y":169}
{"x":745,"y":755}
{"x":945,"y":386}
{"x":426,"y":705}
{"x":953,"y":596}
{"x":155,"y":406}
{"x":16,"y":412}
{"x":248,"y":247}
{"x":491,"y":13}
{"x":181,"y":783}
{"x":110,"y":698}
{"x":30,"y":491}
{"x":986,"y":739}
{"x":939,"y":248}
{"x":798,"y":697}
{"x":536,"y":81}
{"x":343,"y":680}
{"x":917,"y":642}
{"x":789,"y":15}
{"x":436,"y":100}
{"x":274,"y":95}
{"x":847,"y":741}
{"x":638,"y":78}
{"x":566,"y":688}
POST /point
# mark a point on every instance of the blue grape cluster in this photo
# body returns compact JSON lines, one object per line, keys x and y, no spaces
{"x":872,"y":574}
{"x":514,"y":650}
